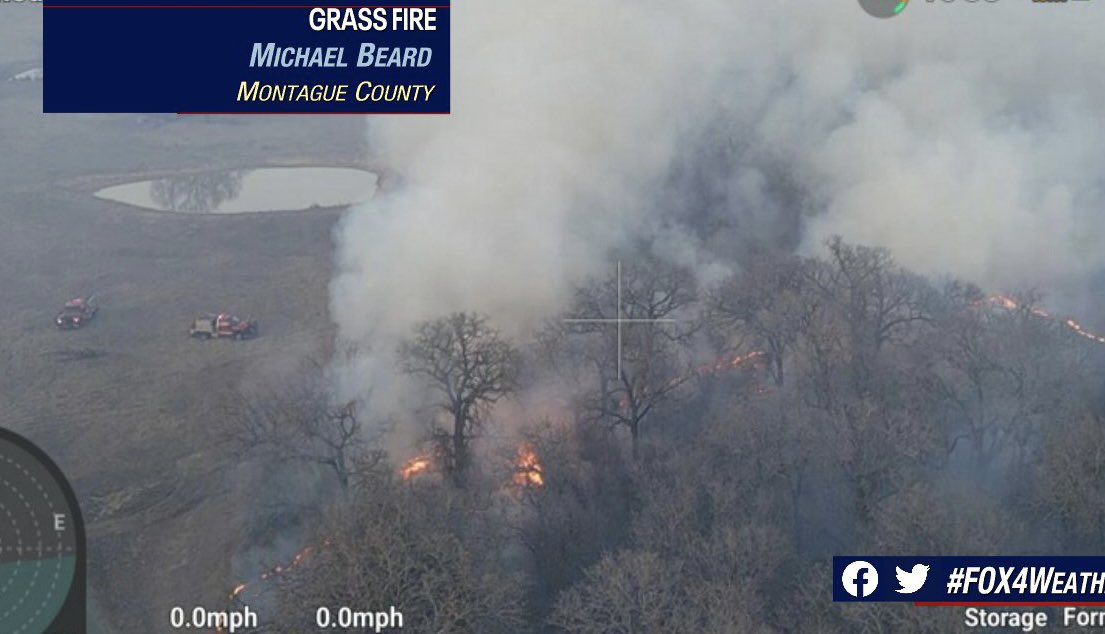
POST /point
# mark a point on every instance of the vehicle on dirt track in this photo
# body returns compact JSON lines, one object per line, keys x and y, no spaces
{"x":222,"y":326}
{"x":76,"y":312}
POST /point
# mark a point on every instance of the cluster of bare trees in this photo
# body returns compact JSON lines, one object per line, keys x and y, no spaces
{"x":408,"y":547}
{"x":712,"y":448}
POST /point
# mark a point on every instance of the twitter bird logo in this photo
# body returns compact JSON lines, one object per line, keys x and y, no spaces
{"x":911,"y":582}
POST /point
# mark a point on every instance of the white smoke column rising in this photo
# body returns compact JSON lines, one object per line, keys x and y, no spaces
{"x":562,"y":113}
{"x":966,"y":137}
{"x":978,"y":151}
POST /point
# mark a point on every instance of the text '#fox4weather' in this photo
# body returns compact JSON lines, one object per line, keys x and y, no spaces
{"x":1066,"y":590}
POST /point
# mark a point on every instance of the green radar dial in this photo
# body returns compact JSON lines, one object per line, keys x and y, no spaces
{"x":42,"y":564}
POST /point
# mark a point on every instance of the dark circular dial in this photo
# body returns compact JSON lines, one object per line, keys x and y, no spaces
{"x":883,"y":8}
{"x":41,"y":544}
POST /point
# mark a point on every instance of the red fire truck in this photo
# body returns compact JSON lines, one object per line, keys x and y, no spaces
{"x":223,"y":325}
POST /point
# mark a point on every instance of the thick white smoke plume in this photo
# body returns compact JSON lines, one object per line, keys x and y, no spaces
{"x":967,"y":137}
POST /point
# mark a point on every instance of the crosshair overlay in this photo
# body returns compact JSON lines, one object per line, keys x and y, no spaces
{"x":619,"y":321}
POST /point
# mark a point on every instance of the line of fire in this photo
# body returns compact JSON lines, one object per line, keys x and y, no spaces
{"x":529,"y":474}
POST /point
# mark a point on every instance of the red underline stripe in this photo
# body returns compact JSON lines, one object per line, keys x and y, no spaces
{"x":1010,"y":604}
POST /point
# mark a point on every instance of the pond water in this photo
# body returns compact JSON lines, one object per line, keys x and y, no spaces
{"x":248,"y":190}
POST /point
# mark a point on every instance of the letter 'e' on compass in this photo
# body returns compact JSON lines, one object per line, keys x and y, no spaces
{"x":42,"y":542}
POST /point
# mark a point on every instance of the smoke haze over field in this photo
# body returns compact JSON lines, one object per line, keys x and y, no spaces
{"x":928,"y":133}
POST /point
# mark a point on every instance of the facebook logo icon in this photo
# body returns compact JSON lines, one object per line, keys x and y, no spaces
{"x":859,"y":579}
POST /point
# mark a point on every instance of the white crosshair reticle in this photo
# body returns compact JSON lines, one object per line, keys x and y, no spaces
{"x":618,"y":320}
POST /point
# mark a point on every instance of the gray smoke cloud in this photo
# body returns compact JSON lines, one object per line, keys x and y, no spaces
{"x":964,"y":136}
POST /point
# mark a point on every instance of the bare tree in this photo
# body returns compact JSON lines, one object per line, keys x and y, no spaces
{"x":403,"y":546}
{"x":640,"y":592}
{"x":625,"y":593}
{"x":583,"y":508}
{"x":299,"y":421}
{"x":470,"y":366}
{"x":879,"y":298}
{"x":765,"y":300}
{"x":859,"y":300}
{"x":1072,"y":477}
{"x":1006,"y":371}
{"x":643,"y":364}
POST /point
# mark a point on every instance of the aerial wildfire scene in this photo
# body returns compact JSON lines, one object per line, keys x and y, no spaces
{"x":678,"y":303}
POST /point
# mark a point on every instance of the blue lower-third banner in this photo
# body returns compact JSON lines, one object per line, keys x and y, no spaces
{"x":971,"y":580}
{"x":246,"y":56}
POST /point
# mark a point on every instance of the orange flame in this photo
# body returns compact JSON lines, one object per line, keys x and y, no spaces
{"x":528,"y":472}
{"x":417,"y":465}
{"x":291,"y":565}
{"x":728,"y":364}
{"x":707,"y":369}
{"x":277,"y":570}
{"x":1008,"y":303}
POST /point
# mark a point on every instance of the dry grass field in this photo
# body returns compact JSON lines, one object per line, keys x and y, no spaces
{"x":130,"y":406}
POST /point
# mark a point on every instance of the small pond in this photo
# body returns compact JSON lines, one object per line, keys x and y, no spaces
{"x":248,"y":190}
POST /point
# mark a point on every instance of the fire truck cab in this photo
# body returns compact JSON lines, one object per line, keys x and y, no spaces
{"x":223,"y":325}
{"x":76,"y":313}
